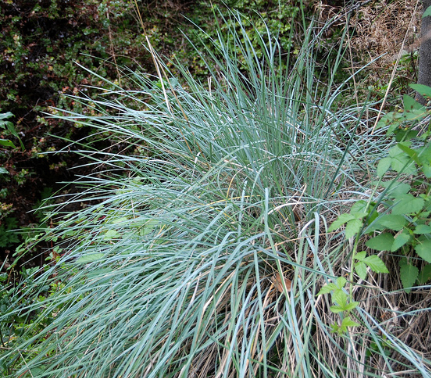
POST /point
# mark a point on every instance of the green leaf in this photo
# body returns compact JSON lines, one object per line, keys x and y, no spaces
{"x":335,"y":328}
{"x":400,"y":161}
{"x":425,"y":274}
{"x":415,"y":114}
{"x":422,"y":229}
{"x":90,"y":258}
{"x":328,"y":288}
{"x":400,"y":240}
{"x":361,"y":270}
{"x":409,"y":274}
{"x":361,"y":256}
{"x":111,"y":234}
{"x":3,"y":171}
{"x":5,"y":116}
{"x":410,"y":103}
{"x":396,"y":188}
{"x":336,"y":309}
{"x":385,"y":120}
{"x":339,"y":297}
{"x":425,"y":14}
{"x":343,"y":218}
{"x":404,"y":164}
{"x":391,"y":221}
{"x":359,"y":209}
{"x":348,"y":322}
{"x":424,"y":154}
{"x":383,"y":166}
{"x":423,"y":90}
{"x":9,"y":125}
{"x":407,"y":204}
{"x":424,"y":250}
{"x":352,"y":228}
{"x":374,"y":226}
{"x":373,"y":216}
{"x":396,"y":151}
{"x":341,"y":281}
{"x":402,"y":134}
{"x":382,"y":242}
{"x":376,"y":264}
{"x":350,"y":306}
{"x":426,"y":169}
{"x":411,"y":153}
{"x":6,"y":143}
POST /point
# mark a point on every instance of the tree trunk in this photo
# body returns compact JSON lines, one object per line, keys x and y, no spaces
{"x":424,"y":76}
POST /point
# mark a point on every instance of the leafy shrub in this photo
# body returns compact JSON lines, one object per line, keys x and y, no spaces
{"x":8,"y":238}
{"x":406,"y":196}
{"x":7,"y":224}
{"x":404,"y":206}
{"x":402,"y":209}
{"x":43,"y":49}
{"x":10,"y":128}
{"x":279,"y":18}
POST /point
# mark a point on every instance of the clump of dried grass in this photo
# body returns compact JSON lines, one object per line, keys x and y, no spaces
{"x":386,"y":27}
{"x":381,"y":32}
{"x":384,"y":31}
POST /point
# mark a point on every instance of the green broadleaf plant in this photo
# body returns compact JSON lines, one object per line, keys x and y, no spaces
{"x":426,"y":13}
{"x":4,"y":124}
{"x":405,"y":224}
{"x":341,"y":304}
{"x":354,"y":221}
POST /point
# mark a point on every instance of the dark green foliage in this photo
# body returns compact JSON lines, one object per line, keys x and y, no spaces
{"x":8,"y":238}
{"x":44,"y":40}
{"x":401,"y":216}
{"x":407,"y":197}
{"x":42,"y":45}
{"x":258,"y":15}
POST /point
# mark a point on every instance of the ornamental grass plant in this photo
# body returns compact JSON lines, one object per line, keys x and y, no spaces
{"x":201,"y":249}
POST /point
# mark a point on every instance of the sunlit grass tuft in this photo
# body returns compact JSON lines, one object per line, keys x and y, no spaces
{"x":201,"y":254}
